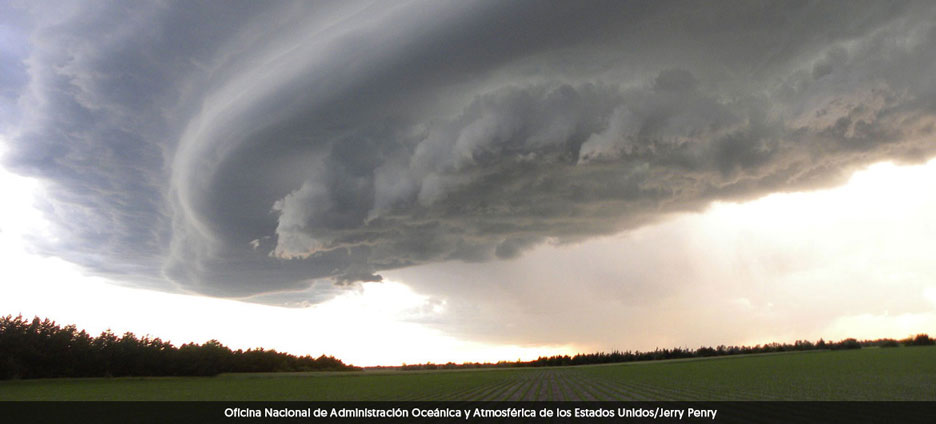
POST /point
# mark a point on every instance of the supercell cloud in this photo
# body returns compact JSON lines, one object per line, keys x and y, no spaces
{"x":252,"y":148}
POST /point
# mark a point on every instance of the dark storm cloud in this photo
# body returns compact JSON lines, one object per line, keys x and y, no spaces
{"x":238,"y":149}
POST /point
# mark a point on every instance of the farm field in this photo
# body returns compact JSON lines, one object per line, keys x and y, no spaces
{"x":907,"y":373}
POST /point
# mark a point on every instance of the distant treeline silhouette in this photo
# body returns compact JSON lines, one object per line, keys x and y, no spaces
{"x":678,"y":353}
{"x":43,"y":349}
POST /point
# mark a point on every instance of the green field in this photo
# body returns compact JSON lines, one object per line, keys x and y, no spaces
{"x":907,"y":373}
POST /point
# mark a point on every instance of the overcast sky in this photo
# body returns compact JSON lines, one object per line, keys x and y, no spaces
{"x":554,"y":175}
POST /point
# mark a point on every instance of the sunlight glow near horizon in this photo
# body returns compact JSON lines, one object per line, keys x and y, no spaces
{"x":873,"y":235}
{"x":382,"y":324}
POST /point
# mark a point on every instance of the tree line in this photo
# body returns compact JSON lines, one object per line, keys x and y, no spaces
{"x":680,"y":353}
{"x":43,"y":349}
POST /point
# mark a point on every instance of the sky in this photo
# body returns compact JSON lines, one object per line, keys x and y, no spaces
{"x":479,"y":180}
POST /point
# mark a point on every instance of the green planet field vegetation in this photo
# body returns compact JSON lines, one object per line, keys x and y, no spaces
{"x":902,"y":373}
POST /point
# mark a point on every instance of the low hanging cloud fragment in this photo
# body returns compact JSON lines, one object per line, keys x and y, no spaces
{"x":244,"y":149}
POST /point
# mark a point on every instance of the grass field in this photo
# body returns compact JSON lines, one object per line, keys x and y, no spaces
{"x":907,"y":373}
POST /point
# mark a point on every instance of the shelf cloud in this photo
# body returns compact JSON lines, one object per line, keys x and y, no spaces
{"x":251,"y":149}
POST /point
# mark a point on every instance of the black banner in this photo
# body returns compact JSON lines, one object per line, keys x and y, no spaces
{"x":468,"y":412}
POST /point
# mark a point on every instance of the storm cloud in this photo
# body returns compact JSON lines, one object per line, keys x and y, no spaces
{"x":251,"y":149}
